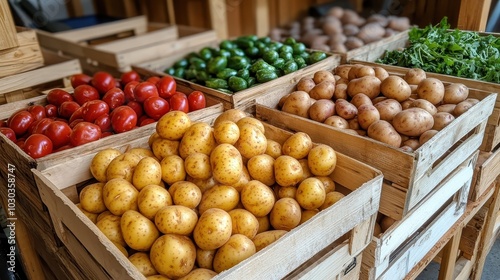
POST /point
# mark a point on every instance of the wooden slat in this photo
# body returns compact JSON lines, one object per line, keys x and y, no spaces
{"x":22,"y":58}
{"x":218,"y":18}
{"x":450,"y":252}
{"x":473,"y":14}
{"x":8,"y":34}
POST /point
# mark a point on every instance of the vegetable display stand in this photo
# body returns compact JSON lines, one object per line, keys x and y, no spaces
{"x":121,"y":43}
{"x":24,"y":57}
{"x":29,"y":205}
{"x":408,"y":176}
{"x":53,"y":73}
{"x":244,"y":99}
{"x":456,"y":250}
{"x":314,"y":249}
{"x":486,"y":173}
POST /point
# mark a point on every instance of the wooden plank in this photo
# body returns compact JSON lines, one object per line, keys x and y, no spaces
{"x":22,"y":58}
{"x":473,"y":15}
{"x":450,"y":252}
{"x":8,"y":34}
{"x":218,"y":18}
{"x":74,"y":8}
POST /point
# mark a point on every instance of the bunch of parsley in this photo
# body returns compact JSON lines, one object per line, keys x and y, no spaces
{"x":453,"y":52}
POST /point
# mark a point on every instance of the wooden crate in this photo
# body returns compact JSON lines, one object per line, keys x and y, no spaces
{"x":394,"y":253}
{"x":408,"y":177}
{"x":121,"y":43}
{"x":245,"y":99}
{"x":486,"y":173}
{"x":26,"y":56}
{"x":353,"y":215}
{"x":53,"y":73}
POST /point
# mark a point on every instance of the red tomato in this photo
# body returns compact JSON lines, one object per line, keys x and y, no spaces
{"x":166,"y":87}
{"x":129,"y":91}
{"x":114,"y":98}
{"x":155,"y":107}
{"x":123,"y":119}
{"x":83,"y":133}
{"x":38,"y":111}
{"x":78,"y":114}
{"x":51,"y":111}
{"x":103,"y":81}
{"x":104,"y":122}
{"x":67,"y":109}
{"x":3,"y":123}
{"x":38,"y":145}
{"x":153,"y":79}
{"x":179,"y":102}
{"x":80,"y":79}
{"x":84,"y":93}
{"x":58,"y":96}
{"x":58,"y":132}
{"x":146,"y":121}
{"x":196,"y":101}
{"x":145,"y":90}
{"x":20,"y":143}
{"x":129,"y":76}
{"x":137,"y":108}
{"x":62,"y":148}
{"x":106,"y":134}
{"x":40,"y":126}
{"x":75,"y":122}
{"x":94,"y":109}
{"x":20,"y":122}
{"x":9,"y":133}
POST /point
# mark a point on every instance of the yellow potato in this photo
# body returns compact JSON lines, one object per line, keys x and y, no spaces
{"x":297,"y":145}
{"x":122,"y":249}
{"x":288,"y":191}
{"x":119,"y":195}
{"x":142,"y":262}
{"x":285,"y":214}
{"x":172,"y":169}
{"x":257,"y":198}
{"x":157,"y":277}
{"x":252,"y":141}
{"x":103,"y":214}
{"x":199,"y":138}
{"x":164,"y":147}
{"x":197,"y":165}
{"x":202,"y":184}
{"x":122,"y":166}
{"x":287,"y":171}
{"x":91,"y":198}
{"x":227,"y":164}
{"x":205,"y":258}
{"x":153,"y":138}
{"x":244,"y":179}
{"x":384,"y":132}
{"x":395,"y":87}
{"x":307,"y":214}
{"x":151,"y":199}
{"x":261,"y":167}
{"x":328,"y":183}
{"x":186,"y":193}
{"x":110,"y":226}
{"x":142,"y":152}
{"x":91,"y":216}
{"x":173,"y":125}
{"x":244,"y":222}
{"x":367,"y":114}
{"x":147,"y":172}
{"x":235,"y":250}
{"x":199,"y":274}
{"x":233,"y":115}
{"x":226,"y":132}
{"x":322,"y":160}
{"x":213,"y":229}
{"x":252,"y":121}
{"x":431,"y":89}
{"x":310,"y":194}
{"x":176,"y":219}
{"x":100,"y":163}
{"x":263,"y":239}
{"x":306,"y":172}
{"x":273,"y":148}
{"x":173,"y":255}
{"x":138,"y":231}
{"x":219,"y":196}
{"x":264,"y":224}
{"x":331,"y":198}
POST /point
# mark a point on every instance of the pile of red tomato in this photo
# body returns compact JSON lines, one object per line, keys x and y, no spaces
{"x":100,"y":105}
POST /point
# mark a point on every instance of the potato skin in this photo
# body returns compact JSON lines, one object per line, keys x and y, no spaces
{"x":235,"y":250}
{"x":257,"y":198}
{"x":213,"y":229}
{"x":345,"y":109}
{"x":110,"y":226}
{"x":323,"y":75}
{"x":388,"y":108}
{"x":383,"y":131}
{"x":173,"y":255}
{"x":331,"y":198}
{"x":426,"y":136}
{"x":455,"y":93}
{"x":122,"y":166}
{"x":413,"y":121}
{"x":219,"y":196}
{"x":396,"y":88}
{"x":441,"y":120}
{"x":100,"y":163}
{"x":337,"y":121}
{"x":261,"y":167}
{"x":285,"y":214}
{"x":431,"y":89}
{"x":360,"y":99}
{"x":91,"y":199}
{"x":323,"y":90}
{"x":198,"y":138}
{"x":321,"y":110}
{"x":424,"y":104}
{"x":177,"y":219}
{"x":310,"y":193}
{"x":205,"y":258}
{"x":119,"y":195}
{"x":197,"y":165}
{"x":252,"y":141}
{"x":287,"y":170}
{"x":226,"y":132}
{"x":414,"y":76}
{"x":322,"y":160}
{"x":142,"y":262}
{"x":263,"y":239}
{"x":297,"y":103}
{"x":172,"y":169}
{"x":173,"y":125}
{"x":233,"y":115}
{"x":151,"y":199}
{"x":147,"y":172}
{"x":297,"y":145}
{"x":138,"y":231}
{"x":227,"y":164}
{"x":369,"y":85}
{"x":305,"y":84}
{"x":367,"y":114}
{"x":199,"y":274}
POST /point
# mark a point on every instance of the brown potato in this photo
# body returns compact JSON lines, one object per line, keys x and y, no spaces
{"x":343,"y":70}
{"x":413,"y":122}
{"x":448,"y":108}
{"x":441,"y":120}
{"x":369,"y":85}
{"x":426,"y":136}
{"x":323,"y":75}
{"x":431,"y":89}
{"x":367,"y":114}
{"x":345,"y":109}
{"x":323,"y":90}
{"x":305,"y":84}
{"x":282,"y":100}
{"x":413,"y":143}
{"x":414,"y":76}
{"x":365,"y":71}
{"x":396,"y":88}
{"x":455,"y":93}
{"x":353,"y":71}
{"x":407,"y":103}
{"x":383,"y":131}
{"x":340,"y":91}
{"x":462,"y":107}
{"x":354,"y":124}
{"x":388,"y":108}
{"x":298,"y":103}
{"x":424,"y":104}
{"x":337,"y":121}
{"x":380,"y":73}
{"x":321,"y":110}
{"x":360,"y":99}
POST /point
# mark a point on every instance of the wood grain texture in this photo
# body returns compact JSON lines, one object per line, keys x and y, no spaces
{"x":26,"y":56}
{"x":473,"y":14}
{"x":8,"y":34}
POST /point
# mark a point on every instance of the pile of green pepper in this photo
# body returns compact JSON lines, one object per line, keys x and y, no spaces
{"x":244,"y":62}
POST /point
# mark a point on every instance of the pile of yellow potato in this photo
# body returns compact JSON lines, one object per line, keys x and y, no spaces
{"x":203,"y":198}
{"x":401,"y":111}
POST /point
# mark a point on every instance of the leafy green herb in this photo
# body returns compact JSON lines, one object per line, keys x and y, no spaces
{"x":453,"y":52}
